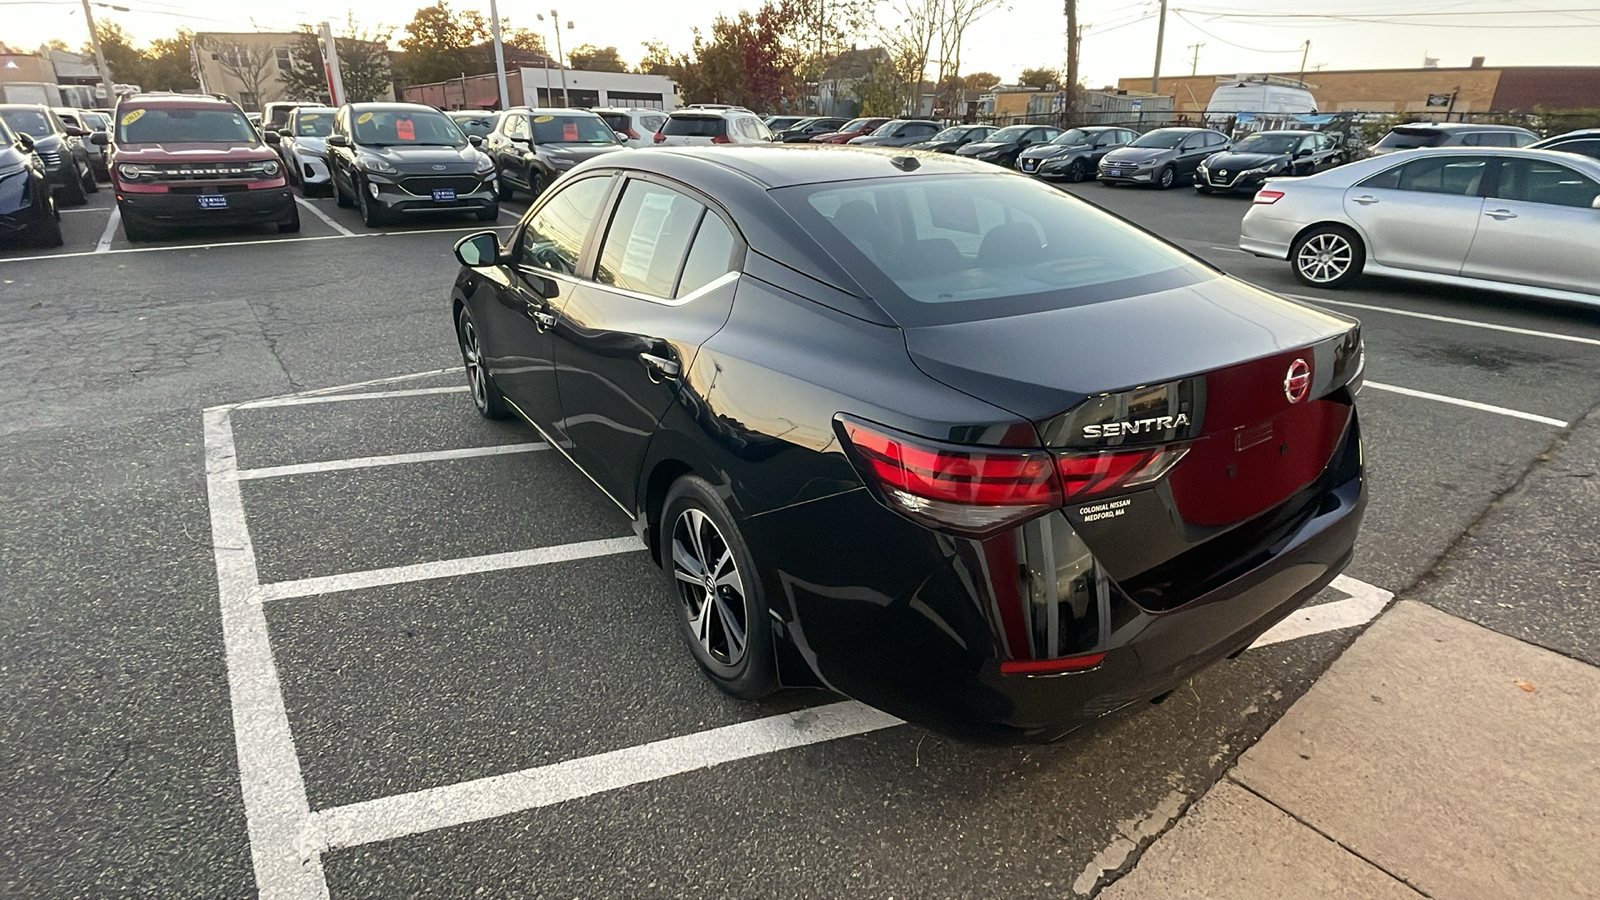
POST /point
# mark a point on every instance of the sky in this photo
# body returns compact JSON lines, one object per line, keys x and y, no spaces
{"x":1119,"y":41}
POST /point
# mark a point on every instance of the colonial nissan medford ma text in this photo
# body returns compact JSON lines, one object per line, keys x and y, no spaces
{"x":921,"y":431}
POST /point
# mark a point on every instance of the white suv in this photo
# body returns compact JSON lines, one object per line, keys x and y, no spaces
{"x":638,"y":125}
{"x":692,"y":126}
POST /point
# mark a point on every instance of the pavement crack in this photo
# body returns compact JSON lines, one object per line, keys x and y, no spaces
{"x":1340,"y":844}
{"x":272,"y":347}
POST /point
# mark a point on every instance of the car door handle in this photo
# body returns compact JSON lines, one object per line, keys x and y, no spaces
{"x":1501,"y":214}
{"x":543,"y":320}
{"x":1365,"y":201}
{"x":667,"y":368}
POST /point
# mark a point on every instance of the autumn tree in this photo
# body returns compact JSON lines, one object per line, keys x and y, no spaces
{"x":590,"y":58}
{"x":1039,"y":78}
{"x":746,"y":61}
{"x":437,"y":44}
{"x":169,"y":63}
{"x":127,"y":64}
{"x":363,"y":65}
{"x":911,"y":42}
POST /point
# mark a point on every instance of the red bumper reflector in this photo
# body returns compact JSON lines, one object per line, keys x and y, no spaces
{"x":1051,"y":666}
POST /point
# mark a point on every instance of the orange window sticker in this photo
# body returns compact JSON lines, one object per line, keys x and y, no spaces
{"x":569,"y":131}
{"x":405,"y":129}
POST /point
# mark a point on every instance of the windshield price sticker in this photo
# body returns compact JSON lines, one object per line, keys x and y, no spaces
{"x":364,"y":118}
{"x":569,"y":131}
{"x":1109,"y":510}
{"x":405,"y":129}
{"x":133,"y":116}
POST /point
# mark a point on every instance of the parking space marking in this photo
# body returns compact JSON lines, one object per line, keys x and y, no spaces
{"x":1364,"y":603}
{"x":397,"y":816}
{"x":336,"y":388}
{"x":311,"y":208}
{"x":220,"y":244}
{"x":1468,"y":404}
{"x":270,"y":781}
{"x":1509,"y":329}
{"x":111,"y":229}
{"x":447,"y":568}
{"x":308,"y":399}
{"x":93,"y":209}
{"x":397,"y":459}
{"x":1227,"y":249}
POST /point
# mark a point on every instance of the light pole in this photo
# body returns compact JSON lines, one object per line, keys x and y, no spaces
{"x":99,"y":55}
{"x":561,"y":58}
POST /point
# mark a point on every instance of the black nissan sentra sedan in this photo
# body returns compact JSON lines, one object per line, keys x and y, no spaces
{"x":922,"y":431}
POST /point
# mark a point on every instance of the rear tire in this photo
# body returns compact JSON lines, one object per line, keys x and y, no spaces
{"x":47,"y":233}
{"x":722,"y":615}
{"x":486,"y":397}
{"x":339,"y":197}
{"x":90,"y":185}
{"x":1327,"y":256}
{"x":72,"y":193}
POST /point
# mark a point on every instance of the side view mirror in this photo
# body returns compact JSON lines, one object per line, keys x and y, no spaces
{"x":337,"y":140}
{"x":99,"y":138}
{"x":522,"y":140}
{"x":475,"y":140}
{"x":479,"y":249}
{"x":1595,"y":203}
{"x":271,"y":137}
{"x":1302,"y":154}
{"x":25,"y":141}
{"x":621,"y":138}
{"x":75,"y":131}
{"x":285,"y":133}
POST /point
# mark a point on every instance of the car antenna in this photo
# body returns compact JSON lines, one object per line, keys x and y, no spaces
{"x":905,"y":163}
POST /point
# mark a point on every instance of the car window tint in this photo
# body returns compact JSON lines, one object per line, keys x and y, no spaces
{"x":1538,"y":181}
{"x":654,"y":123}
{"x":1585,"y":148}
{"x":1518,"y":139}
{"x":710,"y":257}
{"x":648,"y":238}
{"x":1435,"y":175}
{"x":554,"y":237}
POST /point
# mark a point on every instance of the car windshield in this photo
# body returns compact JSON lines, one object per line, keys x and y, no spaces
{"x":316,"y":124}
{"x":1161,"y":139}
{"x":1073,"y":137}
{"x":950,"y":248}
{"x":950,"y":134}
{"x":184,"y":126}
{"x":572,"y":129}
{"x":889,"y":127}
{"x":96,"y":121}
{"x":1269,"y":143}
{"x":1410,"y":139}
{"x":1014,"y":133}
{"x":406,"y":127}
{"x":476,"y":123}
{"x":854,"y":125}
{"x":30,"y":122}
{"x":696,"y":126}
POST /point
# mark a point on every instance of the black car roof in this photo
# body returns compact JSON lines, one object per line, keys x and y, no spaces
{"x":776,"y":166}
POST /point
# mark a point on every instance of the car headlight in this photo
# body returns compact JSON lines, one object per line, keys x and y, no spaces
{"x":484,"y":166}
{"x":1267,"y":169}
{"x":269,"y":168}
{"x":1148,"y":162}
{"x":134,"y":172}
{"x":374,"y":164}
{"x":989,"y":154}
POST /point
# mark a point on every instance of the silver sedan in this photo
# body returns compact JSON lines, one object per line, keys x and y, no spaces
{"x":1522,"y":221}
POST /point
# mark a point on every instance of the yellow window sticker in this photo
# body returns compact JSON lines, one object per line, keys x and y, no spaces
{"x":316,"y":116}
{"x":542,"y":119}
{"x":132,"y":117}
{"x":364,"y":118}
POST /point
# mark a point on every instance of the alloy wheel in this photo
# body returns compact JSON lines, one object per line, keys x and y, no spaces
{"x":710,"y":587}
{"x":1325,"y":257}
{"x":474,"y":364}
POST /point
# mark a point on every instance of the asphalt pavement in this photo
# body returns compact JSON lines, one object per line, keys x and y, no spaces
{"x":428,"y":713}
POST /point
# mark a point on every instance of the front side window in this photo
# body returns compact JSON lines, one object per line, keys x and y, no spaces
{"x":1160,"y":139}
{"x":553,"y":240}
{"x":648,"y":238}
{"x":184,"y":126}
{"x":1461,"y":175}
{"x":1538,"y":181}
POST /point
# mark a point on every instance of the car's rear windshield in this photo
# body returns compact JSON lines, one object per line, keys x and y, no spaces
{"x":480,"y":124}
{"x":30,"y":122}
{"x":184,"y":126}
{"x":1410,"y":139}
{"x":1160,"y":139}
{"x":953,"y":248}
{"x":617,"y":121}
{"x":313,"y":124}
{"x":696,"y":126}
{"x":406,"y":127}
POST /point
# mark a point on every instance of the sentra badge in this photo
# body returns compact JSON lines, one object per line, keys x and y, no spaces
{"x":1137,"y":426}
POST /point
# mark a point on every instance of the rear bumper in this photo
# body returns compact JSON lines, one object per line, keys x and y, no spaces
{"x":919,"y":628}
{"x":244,"y":208}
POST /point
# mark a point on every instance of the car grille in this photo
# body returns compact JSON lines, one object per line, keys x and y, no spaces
{"x":203,"y":172}
{"x":1221,"y":177}
{"x":51,"y":159}
{"x":1028,"y":165}
{"x":425,"y":185}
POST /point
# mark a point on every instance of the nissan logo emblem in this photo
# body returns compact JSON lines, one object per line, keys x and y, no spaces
{"x":1297,"y":383}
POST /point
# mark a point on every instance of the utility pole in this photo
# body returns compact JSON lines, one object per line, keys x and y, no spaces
{"x":99,"y":56}
{"x":1072,"y":57}
{"x":499,"y":57}
{"x":1194,"y":65}
{"x":330,"y":62}
{"x":1303,"y":55}
{"x":1161,"y":35}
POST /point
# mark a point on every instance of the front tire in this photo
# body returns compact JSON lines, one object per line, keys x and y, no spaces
{"x":1166,"y":179}
{"x":47,"y":232}
{"x":136,"y":231}
{"x":293,"y":224}
{"x":720,"y":608}
{"x":370,"y":215}
{"x":489,"y":214}
{"x":1077,"y":171}
{"x":72,"y":193}
{"x":486,"y":397}
{"x":1327,"y":256}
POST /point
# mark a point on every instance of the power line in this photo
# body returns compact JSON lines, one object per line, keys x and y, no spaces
{"x":1208,"y":34}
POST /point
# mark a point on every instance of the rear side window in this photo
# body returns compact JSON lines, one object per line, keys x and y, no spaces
{"x":710,"y":257}
{"x":1590,"y":148}
{"x":696,"y":126}
{"x":1403,"y":139}
{"x":648,"y":239}
{"x":956,"y":248}
{"x":1460,"y":175}
{"x":554,"y":237}
{"x":1538,"y":181}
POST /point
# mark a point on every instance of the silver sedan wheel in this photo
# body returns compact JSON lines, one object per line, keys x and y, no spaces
{"x":711,"y":588}
{"x":1325,"y":257}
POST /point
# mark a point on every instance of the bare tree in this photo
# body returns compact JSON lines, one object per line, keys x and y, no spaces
{"x":249,"y":66}
{"x":956,"y":18}
{"x":910,"y":44}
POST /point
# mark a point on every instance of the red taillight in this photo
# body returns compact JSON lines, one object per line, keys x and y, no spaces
{"x":1097,"y":473}
{"x":1051,"y":666}
{"x":660,"y":138}
{"x":1267,"y":197}
{"x":721,"y":139}
{"x":632,"y":135}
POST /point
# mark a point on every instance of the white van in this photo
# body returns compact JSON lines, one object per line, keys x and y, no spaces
{"x":1260,"y":97}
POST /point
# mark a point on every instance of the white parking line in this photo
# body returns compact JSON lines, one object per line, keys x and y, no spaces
{"x":1362,"y":606}
{"x":105,"y":236}
{"x":324,"y":217}
{"x":334,"y":389}
{"x":87,"y":209}
{"x":1469,"y":404}
{"x":486,"y":798}
{"x":223,"y":244}
{"x":308,"y":399}
{"x":398,"y":459}
{"x":1509,"y":329}
{"x":447,"y":568}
